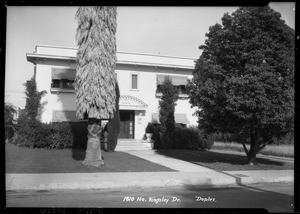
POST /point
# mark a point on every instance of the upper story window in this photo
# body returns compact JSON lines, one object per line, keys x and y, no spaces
{"x":179,"y":81}
{"x":134,"y":81}
{"x":63,"y":79}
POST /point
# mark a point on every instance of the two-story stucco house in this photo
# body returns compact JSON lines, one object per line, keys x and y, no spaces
{"x":139,"y":77}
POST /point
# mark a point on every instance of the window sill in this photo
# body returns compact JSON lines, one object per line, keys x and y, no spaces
{"x":62,"y":90}
{"x":181,"y":96}
{"x":134,"y":89}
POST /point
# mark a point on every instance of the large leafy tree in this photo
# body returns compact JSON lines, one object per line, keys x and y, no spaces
{"x":166,"y":112}
{"x":95,"y":79}
{"x":244,"y":79}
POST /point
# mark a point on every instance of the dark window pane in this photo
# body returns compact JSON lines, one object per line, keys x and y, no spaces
{"x":183,"y":89}
{"x":158,"y":89}
{"x":55,"y":83}
{"x":134,"y":80}
{"x":62,"y":83}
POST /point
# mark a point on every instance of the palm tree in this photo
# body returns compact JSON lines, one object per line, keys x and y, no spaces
{"x":95,"y":76}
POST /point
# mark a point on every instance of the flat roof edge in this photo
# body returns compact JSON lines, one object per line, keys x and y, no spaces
{"x":120,"y":52}
{"x":33,"y":56}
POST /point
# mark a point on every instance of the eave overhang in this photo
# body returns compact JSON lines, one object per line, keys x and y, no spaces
{"x":43,"y":58}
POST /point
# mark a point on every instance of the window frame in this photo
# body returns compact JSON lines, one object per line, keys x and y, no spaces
{"x":181,"y":94}
{"x":62,"y":82}
{"x":137,"y":81}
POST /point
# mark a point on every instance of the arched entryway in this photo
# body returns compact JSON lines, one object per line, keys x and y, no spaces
{"x":130,"y":107}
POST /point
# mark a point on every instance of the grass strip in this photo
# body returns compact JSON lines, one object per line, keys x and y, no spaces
{"x":276,"y":150}
{"x":26,"y":160}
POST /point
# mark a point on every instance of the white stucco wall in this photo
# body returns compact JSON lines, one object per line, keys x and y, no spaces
{"x":52,"y":100}
{"x":147,"y":77}
{"x":146,"y":92}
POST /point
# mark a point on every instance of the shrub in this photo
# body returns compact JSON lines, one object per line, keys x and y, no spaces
{"x":24,"y":136}
{"x":224,"y":137}
{"x":205,"y":142}
{"x":288,"y":139}
{"x":113,"y":126}
{"x":33,"y":100}
{"x":9,"y":121}
{"x":60,"y":135}
{"x":156,"y":137}
{"x":149,"y":128}
{"x":166,"y":112}
{"x":191,"y":138}
{"x":179,"y":141}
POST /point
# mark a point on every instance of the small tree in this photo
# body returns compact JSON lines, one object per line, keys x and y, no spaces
{"x":113,"y":126}
{"x":166,"y":112}
{"x":33,"y":101}
{"x":27,"y":120}
{"x":244,"y":80}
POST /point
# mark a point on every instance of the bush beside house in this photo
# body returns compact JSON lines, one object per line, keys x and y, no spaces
{"x":9,"y":121}
{"x":113,"y":126}
{"x":60,"y":135}
{"x":32,"y":133}
{"x":184,"y":138}
{"x":191,"y":138}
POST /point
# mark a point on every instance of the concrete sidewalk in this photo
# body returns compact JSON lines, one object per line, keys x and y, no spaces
{"x":55,"y":181}
{"x":188,"y":174}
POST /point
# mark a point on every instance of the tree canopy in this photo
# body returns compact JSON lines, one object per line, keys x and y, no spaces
{"x":244,"y":79}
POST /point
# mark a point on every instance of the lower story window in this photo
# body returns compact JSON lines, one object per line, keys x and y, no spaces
{"x":181,"y":89}
{"x":62,"y":84}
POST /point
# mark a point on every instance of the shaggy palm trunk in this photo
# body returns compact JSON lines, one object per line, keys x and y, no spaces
{"x":93,"y":155}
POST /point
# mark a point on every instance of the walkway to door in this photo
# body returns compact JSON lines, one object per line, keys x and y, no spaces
{"x":131,"y":144}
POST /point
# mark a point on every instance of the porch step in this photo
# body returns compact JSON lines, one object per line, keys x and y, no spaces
{"x":127,"y":145}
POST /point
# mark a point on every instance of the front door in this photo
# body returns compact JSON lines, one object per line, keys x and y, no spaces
{"x":126,"y":124}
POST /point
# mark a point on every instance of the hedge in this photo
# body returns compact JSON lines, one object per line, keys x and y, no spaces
{"x":191,"y":138}
{"x":184,"y":138}
{"x":60,"y":135}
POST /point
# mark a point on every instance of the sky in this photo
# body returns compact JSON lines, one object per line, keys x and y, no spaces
{"x":168,"y":31}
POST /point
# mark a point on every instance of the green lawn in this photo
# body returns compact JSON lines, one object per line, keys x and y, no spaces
{"x":276,"y":150}
{"x":224,"y":162}
{"x":26,"y":160}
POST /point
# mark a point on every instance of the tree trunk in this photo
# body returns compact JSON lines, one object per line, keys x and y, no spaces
{"x":253,"y":148}
{"x":93,"y":151}
{"x":252,"y":157}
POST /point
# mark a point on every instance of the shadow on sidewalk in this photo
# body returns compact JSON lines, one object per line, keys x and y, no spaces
{"x":211,"y":159}
{"x":204,"y":158}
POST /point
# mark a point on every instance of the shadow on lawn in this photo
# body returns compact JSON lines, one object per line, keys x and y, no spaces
{"x":79,"y":131}
{"x":78,"y":154}
{"x":198,"y":157}
{"x":202,"y":157}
